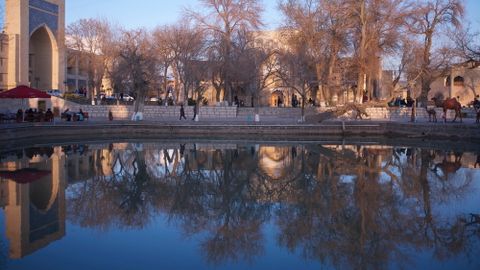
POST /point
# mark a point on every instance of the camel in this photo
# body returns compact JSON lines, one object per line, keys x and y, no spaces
{"x":449,"y":167}
{"x":450,"y":104}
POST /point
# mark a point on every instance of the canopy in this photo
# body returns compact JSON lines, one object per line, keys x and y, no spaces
{"x":24,"y":176}
{"x":23,"y":91}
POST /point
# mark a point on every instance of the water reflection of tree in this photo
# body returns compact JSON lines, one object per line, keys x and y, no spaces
{"x":365,"y":223}
{"x":223,"y":205}
{"x":353,"y":207}
{"x":119,"y":198}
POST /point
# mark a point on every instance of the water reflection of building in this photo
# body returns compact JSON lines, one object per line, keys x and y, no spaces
{"x":275,"y":161}
{"x":34,"y":211}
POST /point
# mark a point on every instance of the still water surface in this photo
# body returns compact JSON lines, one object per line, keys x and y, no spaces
{"x":239,"y":206}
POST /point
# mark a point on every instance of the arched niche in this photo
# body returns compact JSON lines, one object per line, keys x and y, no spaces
{"x":43,"y":193}
{"x":458,"y":81}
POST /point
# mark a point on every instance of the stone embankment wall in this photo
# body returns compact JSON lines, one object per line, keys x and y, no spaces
{"x":17,"y":135}
{"x":124,"y":112}
{"x":156,"y":112}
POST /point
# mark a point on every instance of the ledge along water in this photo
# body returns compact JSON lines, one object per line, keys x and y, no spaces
{"x":31,"y":133}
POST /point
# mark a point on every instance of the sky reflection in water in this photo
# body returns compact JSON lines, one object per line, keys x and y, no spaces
{"x":229,"y":206}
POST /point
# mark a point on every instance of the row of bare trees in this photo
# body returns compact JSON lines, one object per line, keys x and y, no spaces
{"x":362,"y":34}
{"x":329,"y":47}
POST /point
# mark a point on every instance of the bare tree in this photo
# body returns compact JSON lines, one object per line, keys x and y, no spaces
{"x":92,"y":40}
{"x":377,"y":31}
{"x":135,"y":67}
{"x":467,"y":43}
{"x":304,"y":25}
{"x":264,"y":66}
{"x":298,"y":72}
{"x":426,"y":21}
{"x":256,"y":68}
{"x":223,"y":20}
{"x":186,"y":44}
{"x":165,"y":55}
{"x":407,"y":65}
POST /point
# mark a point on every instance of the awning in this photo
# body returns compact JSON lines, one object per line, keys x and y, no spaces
{"x":23,"y":91}
{"x":24,"y":176}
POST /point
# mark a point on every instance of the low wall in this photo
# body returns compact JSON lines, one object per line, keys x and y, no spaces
{"x":122,"y":112}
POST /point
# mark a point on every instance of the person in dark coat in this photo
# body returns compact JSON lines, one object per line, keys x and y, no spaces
{"x":194,"y":111}
{"x":49,"y":115}
{"x":19,"y":116}
{"x":182,"y":112}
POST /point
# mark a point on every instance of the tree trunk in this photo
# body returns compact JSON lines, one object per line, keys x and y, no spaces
{"x":315,"y":90}
{"x":165,"y":82}
{"x":330,"y":76}
{"x":303,"y":109}
{"x":361,"y":52}
{"x":426,"y":75}
{"x":139,"y":104}
{"x":423,"y":98}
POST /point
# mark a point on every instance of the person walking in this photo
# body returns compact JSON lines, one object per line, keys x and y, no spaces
{"x":182,"y":112}
{"x":194,"y":111}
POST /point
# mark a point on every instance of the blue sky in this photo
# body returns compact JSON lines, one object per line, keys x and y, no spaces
{"x":150,"y":13}
{"x":144,"y":13}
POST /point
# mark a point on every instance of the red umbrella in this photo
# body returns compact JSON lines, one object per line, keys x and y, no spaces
{"x":23,"y":91}
{"x":24,"y":176}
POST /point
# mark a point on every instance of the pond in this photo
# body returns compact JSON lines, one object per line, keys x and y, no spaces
{"x":230,"y":205}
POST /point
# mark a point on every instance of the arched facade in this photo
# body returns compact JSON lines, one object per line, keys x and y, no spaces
{"x":466,"y":82}
{"x":35,"y":211}
{"x":36,"y":51}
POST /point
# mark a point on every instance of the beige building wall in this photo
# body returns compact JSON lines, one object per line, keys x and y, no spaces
{"x":463,"y":82}
{"x":3,"y":61}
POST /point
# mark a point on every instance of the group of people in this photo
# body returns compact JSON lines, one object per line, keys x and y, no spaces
{"x":237,"y":102}
{"x":401,"y":102}
{"x":34,"y":115}
{"x":476,"y":103}
{"x":81,"y":91}
{"x":182,"y":112}
{"x":73,"y":116}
